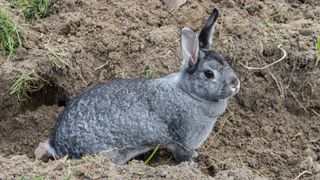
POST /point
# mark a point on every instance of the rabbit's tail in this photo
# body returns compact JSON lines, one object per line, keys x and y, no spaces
{"x":50,"y":149}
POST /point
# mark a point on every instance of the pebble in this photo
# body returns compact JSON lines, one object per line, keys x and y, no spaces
{"x":164,"y":174}
{"x":248,"y":132}
{"x":311,"y":153}
{"x":306,"y":31}
{"x":309,"y":15}
{"x":266,"y":130}
{"x":281,"y":130}
{"x":286,"y":155}
{"x":41,"y":153}
{"x":230,"y":4}
{"x":2,"y":176}
{"x":173,"y":4}
{"x":307,"y":163}
{"x":251,"y":9}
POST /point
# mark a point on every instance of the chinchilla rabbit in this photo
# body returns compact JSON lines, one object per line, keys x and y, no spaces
{"x":124,"y":118}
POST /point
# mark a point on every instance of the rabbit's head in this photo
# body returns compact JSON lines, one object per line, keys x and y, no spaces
{"x":205,"y":73}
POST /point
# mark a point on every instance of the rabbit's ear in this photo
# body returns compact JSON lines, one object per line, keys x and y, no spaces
{"x":205,"y":37}
{"x":190,"y":48}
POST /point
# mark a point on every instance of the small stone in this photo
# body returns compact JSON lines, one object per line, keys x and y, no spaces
{"x":248,"y":132}
{"x":307,"y":164}
{"x":230,"y":4}
{"x":316,"y":167}
{"x":41,"y":153}
{"x":117,"y":13}
{"x":251,"y":151}
{"x":2,"y":176}
{"x":306,"y":31}
{"x":311,"y":153}
{"x":260,"y":5}
{"x":281,"y":130}
{"x":164,"y":174}
{"x":173,"y":4}
{"x":295,"y":5}
{"x":309,"y":15}
{"x":251,"y":9}
{"x":266,"y":130}
{"x":286,"y":155}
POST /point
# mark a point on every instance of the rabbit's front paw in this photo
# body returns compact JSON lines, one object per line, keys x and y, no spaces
{"x":195,"y":154}
{"x":192,"y":164}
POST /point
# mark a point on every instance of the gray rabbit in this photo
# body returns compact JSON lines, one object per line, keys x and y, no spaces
{"x":124,"y":118}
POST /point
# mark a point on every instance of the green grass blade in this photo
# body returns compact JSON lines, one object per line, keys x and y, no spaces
{"x":318,"y":47}
{"x":9,"y":35}
{"x":152,"y":154}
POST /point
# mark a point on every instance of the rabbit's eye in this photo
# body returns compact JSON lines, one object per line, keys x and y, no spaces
{"x":209,"y":74}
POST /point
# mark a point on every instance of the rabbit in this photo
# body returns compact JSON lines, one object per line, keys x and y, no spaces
{"x":125,"y":118}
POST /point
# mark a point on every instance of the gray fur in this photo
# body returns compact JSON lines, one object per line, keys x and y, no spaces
{"x":125,"y":118}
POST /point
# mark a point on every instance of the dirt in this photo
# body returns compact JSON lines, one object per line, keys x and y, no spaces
{"x":271,"y":129}
{"x":101,"y":168}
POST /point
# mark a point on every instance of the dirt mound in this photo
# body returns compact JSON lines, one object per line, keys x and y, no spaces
{"x":101,"y":168}
{"x":271,"y":128}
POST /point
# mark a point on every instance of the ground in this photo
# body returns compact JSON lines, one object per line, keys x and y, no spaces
{"x":270,"y":129}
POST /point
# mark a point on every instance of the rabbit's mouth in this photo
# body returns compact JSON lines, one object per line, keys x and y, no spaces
{"x":235,"y":89}
{"x":229,"y":92}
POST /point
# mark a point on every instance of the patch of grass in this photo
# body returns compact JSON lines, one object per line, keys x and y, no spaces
{"x":33,"y":9}
{"x":10,"y":39}
{"x":318,"y":50}
{"x":53,"y":62}
{"x":69,"y":176}
{"x":38,"y":177}
{"x":22,"y":86}
{"x":280,"y":41}
{"x":265,"y":22}
{"x":152,"y":154}
{"x":148,"y":72}
{"x":54,"y":58}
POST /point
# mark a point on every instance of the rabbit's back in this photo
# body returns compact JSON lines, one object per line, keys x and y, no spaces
{"x":121,"y":113}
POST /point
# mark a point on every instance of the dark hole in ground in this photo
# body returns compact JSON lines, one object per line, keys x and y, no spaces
{"x":25,"y":123}
{"x":49,"y":94}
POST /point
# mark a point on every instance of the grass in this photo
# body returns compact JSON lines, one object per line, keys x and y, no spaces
{"x":69,"y":176}
{"x":152,"y":154}
{"x":318,"y":50}
{"x":33,"y":9}
{"x":53,"y":61}
{"x":22,"y":86}
{"x":280,"y":41}
{"x":38,"y":177}
{"x":10,"y":39}
{"x":148,"y":72}
{"x":55,"y":57}
{"x":265,"y":22}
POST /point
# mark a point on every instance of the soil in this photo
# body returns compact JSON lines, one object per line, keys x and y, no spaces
{"x":271,"y":129}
